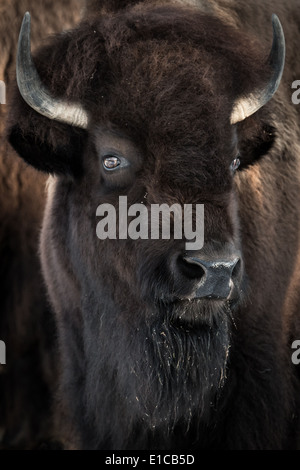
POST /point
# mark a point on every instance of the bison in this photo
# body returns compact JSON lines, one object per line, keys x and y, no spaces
{"x":26,"y":323}
{"x":170,"y":102}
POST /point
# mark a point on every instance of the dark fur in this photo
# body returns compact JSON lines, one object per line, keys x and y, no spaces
{"x":26,"y":324}
{"x":135,"y":374}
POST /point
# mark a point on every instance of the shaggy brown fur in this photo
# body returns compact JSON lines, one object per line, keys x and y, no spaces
{"x":140,"y":370}
{"x":26,"y":324}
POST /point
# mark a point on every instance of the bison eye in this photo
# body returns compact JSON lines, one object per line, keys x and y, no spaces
{"x":111,"y":163}
{"x":235,"y":164}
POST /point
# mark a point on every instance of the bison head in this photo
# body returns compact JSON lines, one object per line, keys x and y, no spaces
{"x":143,"y":104}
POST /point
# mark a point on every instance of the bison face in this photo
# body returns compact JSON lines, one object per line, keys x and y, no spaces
{"x":159,"y":104}
{"x":167,"y":277}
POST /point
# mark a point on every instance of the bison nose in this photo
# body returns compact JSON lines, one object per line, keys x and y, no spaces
{"x":215,"y":278}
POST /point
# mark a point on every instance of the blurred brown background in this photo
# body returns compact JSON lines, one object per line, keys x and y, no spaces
{"x":26,"y":324}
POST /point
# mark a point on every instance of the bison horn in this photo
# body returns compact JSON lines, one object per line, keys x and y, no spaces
{"x":248,"y":105}
{"x":35,"y":93}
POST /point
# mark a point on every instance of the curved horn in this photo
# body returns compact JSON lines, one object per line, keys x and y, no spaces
{"x":246,"y":106}
{"x":35,"y":93}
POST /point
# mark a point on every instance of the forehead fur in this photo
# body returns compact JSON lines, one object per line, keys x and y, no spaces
{"x":168,"y":76}
{"x":166,"y":51}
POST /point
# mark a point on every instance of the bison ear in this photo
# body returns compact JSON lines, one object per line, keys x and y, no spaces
{"x":256,"y":139}
{"x":47,"y":149}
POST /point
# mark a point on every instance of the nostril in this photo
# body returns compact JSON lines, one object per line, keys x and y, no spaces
{"x":189,"y":268}
{"x":236,"y":270}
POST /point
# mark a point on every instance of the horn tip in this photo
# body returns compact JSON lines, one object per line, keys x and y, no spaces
{"x":278,"y":38}
{"x":27,"y":18}
{"x":277,"y":26}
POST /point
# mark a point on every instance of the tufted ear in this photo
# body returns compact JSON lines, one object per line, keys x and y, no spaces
{"x":256,"y":138}
{"x":48,"y":146}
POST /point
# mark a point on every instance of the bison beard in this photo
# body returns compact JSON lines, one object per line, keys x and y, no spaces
{"x":165,"y":375}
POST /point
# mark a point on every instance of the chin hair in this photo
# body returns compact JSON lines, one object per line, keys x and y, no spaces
{"x":182,"y":364}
